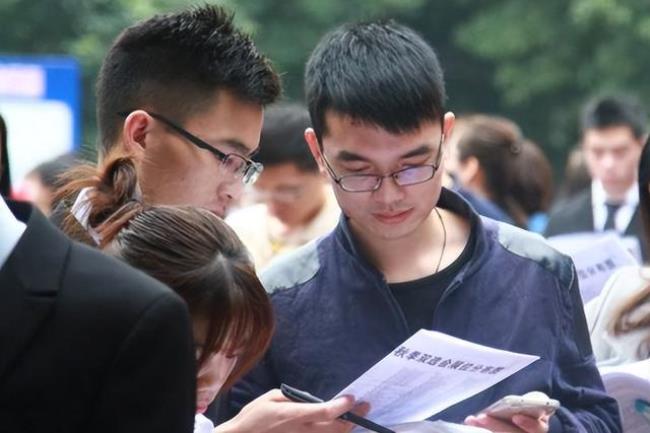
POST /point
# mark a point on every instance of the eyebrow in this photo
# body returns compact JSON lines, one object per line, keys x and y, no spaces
{"x":239,"y":147}
{"x":344,"y":155}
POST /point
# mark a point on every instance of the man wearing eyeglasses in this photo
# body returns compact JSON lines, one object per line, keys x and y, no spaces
{"x":410,"y":254}
{"x":184,"y":97}
{"x":186,"y":103}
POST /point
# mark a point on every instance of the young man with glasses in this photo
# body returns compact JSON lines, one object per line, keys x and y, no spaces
{"x":409,"y":254}
{"x":295,"y":202}
{"x":184,"y":94}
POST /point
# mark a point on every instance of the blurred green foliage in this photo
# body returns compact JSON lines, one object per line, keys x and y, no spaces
{"x":536,"y":62}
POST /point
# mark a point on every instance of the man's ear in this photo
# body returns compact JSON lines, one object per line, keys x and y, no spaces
{"x":448,"y":125}
{"x":134,"y":133}
{"x":314,"y":148}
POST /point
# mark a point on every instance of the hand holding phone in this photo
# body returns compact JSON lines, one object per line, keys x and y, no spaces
{"x":533,"y":404}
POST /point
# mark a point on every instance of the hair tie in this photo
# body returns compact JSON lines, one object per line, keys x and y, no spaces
{"x":515,"y":147}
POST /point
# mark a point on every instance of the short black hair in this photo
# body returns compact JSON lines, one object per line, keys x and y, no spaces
{"x":380,"y":73}
{"x":283,"y":137}
{"x":5,"y":175}
{"x":616,"y":110}
{"x":175,"y":64}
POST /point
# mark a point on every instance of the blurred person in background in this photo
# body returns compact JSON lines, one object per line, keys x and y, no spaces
{"x":450,"y":179}
{"x":619,"y":318}
{"x":5,"y":179}
{"x":296,"y":202}
{"x":532,"y":188}
{"x":183,"y":94}
{"x":40,"y":184}
{"x":613,"y":133}
{"x":487,"y":148}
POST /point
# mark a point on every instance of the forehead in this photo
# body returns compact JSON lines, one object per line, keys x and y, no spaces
{"x":609,"y":138}
{"x":283,"y":171}
{"x":347,"y":134}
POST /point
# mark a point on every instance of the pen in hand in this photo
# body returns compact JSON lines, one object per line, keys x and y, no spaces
{"x":305,"y":397}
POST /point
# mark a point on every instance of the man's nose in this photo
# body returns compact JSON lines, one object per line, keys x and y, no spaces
{"x":230,"y":190}
{"x":389,"y":191}
{"x":609,"y":161}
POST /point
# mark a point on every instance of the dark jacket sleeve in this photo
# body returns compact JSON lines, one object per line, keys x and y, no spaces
{"x":151,"y":384}
{"x":586,"y":408}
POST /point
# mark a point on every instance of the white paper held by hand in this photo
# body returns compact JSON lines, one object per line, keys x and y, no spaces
{"x":428,"y":373}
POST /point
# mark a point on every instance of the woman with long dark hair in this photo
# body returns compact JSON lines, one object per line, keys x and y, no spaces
{"x":198,"y":256}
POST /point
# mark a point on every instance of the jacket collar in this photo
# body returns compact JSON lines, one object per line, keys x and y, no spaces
{"x":29,"y":282}
{"x":449,"y":200}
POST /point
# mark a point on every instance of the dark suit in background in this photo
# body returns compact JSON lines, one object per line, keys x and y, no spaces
{"x":88,"y":344}
{"x":575,"y":215}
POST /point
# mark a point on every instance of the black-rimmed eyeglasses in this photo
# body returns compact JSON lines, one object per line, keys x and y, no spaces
{"x":372,"y":182}
{"x":235,"y":164}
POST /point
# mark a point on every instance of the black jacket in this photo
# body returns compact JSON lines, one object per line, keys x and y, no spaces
{"x":575,"y":215}
{"x":88,"y":344}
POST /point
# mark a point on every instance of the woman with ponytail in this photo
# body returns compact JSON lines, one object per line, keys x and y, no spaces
{"x":199,"y":257}
{"x":486,"y":157}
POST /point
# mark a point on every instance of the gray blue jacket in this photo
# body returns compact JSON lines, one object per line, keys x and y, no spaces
{"x":336,"y":317}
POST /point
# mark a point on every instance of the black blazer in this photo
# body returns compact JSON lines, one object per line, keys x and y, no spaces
{"x":88,"y":344}
{"x":575,"y":215}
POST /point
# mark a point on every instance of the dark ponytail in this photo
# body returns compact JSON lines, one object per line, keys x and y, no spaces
{"x":191,"y":250}
{"x":112,"y":198}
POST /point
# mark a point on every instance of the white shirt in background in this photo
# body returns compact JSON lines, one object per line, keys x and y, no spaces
{"x":264,"y":235}
{"x":202,"y":424}
{"x":10,"y":231}
{"x":623,"y":215}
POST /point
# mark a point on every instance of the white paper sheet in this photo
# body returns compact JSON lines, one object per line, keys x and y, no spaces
{"x":574,"y":242}
{"x":596,"y":257}
{"x":627,"y":384}
{"x":428,"y":373}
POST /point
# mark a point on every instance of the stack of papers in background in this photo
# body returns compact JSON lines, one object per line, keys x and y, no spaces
{"x":596,"y":257}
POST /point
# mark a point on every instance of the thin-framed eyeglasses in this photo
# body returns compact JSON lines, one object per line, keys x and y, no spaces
{"x":372,"y":182}
{"x":235,"y":164}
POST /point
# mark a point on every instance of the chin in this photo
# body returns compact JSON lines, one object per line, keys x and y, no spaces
{"x":388,"y":233}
